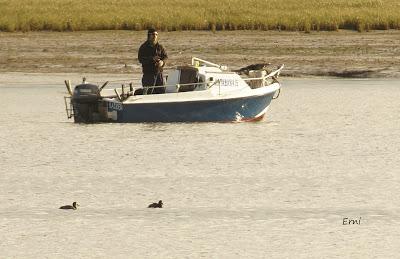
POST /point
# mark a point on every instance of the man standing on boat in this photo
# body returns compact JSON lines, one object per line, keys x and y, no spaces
{"x":152,"y":55}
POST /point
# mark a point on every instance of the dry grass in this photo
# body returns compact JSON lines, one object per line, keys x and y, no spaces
{"x":172,"y":15}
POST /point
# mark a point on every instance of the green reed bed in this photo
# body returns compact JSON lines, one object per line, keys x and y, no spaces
{"x":293,"y":15}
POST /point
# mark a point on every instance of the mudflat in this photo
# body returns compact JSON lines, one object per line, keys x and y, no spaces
{"x":339,"y":53}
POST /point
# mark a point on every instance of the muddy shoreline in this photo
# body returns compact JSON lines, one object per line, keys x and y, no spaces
{"x":347,"y":54}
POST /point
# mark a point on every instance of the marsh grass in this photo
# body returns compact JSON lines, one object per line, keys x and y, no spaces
{"x":172,"y":15}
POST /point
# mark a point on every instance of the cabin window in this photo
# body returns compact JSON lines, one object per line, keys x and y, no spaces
{"x":188,"y":79}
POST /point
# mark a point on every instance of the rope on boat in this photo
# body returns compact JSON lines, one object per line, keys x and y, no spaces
{"x":276,"y":96}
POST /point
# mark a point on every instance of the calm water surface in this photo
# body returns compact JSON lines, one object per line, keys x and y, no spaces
{"x":279,"y":188}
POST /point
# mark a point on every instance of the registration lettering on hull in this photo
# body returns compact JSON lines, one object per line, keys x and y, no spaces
{"x":115,"y":106}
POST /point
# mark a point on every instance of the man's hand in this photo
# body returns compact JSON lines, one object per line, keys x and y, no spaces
{"x":156,"y":59}
{"x":160,"y":63}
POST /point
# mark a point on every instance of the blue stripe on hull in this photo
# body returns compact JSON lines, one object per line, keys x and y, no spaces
{"x":244,"y":108}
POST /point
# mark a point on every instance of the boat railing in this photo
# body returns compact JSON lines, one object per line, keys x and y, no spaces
{"x":179,"y":86}
{"x":148,"y":90}
{"x":256,"y":82}
{"x":198,"y":61}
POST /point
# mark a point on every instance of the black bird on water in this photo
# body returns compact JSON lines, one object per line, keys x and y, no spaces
{"x":74,"y":206}
{"x":156,"y":205}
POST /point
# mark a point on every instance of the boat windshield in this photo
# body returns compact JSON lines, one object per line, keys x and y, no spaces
{"x":189,"y":78}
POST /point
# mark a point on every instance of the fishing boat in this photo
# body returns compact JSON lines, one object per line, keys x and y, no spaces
{"x":200,"y":92}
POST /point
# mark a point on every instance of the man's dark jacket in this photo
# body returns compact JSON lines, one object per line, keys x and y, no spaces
{"x":149,"y":55}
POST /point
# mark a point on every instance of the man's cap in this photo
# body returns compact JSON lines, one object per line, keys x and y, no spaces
{"x":152,"y":31}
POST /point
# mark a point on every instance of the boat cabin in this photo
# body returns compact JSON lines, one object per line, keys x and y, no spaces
{"x":198,"y":78}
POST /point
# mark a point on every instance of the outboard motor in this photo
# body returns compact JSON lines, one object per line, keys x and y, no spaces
{"x":85,"y":103}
